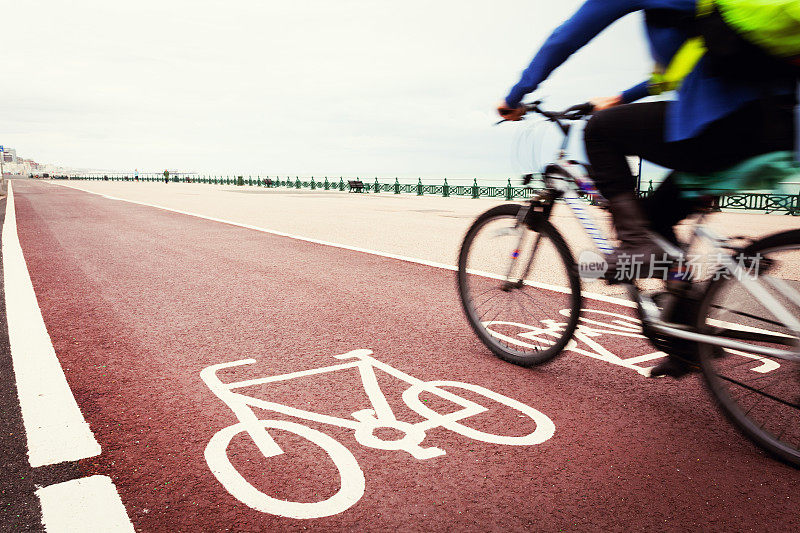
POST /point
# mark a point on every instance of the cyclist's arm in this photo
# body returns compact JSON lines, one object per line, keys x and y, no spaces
{"x":592,"y":18}
{"x":636,"y":92}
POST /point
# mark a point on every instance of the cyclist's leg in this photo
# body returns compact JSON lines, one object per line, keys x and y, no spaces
{"x":666,"y":206}
{"x":640,"y":130}
{"x":610,"y":136}
{"x":615,"y":133}
{"x":761,"y":127}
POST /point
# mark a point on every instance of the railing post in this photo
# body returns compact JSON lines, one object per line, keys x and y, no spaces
{"x":341,"y":183}
{"x":445,"y":189}
{"x":297,"y":183}
{"x":327,"y":185}
{"x":475,"y":190}
{"x":509,"y":191}
{"x":419,"y":186}
{"x":396,"y":186}
{"x":377,"y":185}
{"x":313,"y":185}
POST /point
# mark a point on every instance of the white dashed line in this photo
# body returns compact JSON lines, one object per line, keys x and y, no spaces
{"x":81,"y":505}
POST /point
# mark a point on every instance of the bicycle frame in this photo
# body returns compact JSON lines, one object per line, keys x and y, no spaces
{"x":650,"y":314}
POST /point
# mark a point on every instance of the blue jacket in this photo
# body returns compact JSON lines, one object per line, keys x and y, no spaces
{"x":702,"y":99}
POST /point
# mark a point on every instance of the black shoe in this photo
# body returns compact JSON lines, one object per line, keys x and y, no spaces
{"x":682,"y":355}
{"x":673,"y":367}
{"x":637,"y":252}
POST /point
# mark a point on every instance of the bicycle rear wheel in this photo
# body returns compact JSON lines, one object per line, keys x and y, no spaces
{"x":760,"y":394}
{"x":519,"y":287}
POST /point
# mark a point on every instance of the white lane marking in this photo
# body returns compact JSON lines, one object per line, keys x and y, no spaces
{"x":54,"y":425}
{"x":86,"y":504}
{"x":590,"y":295}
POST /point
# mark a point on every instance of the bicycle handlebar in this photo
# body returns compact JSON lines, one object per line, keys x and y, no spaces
{"x":576,"y":112}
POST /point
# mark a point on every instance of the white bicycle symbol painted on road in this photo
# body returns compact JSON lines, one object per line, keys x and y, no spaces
{"x":364,"y":423}
{"x":594,"y":326}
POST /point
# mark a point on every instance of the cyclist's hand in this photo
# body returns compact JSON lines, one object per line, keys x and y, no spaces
{"x":606,"y":102}
{"x":510,"y":113}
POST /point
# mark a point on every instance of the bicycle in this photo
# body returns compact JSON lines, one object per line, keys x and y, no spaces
{"x":365,"y":423}
{"x":516,"y":270}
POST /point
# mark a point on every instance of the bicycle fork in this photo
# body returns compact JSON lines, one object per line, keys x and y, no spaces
{"x":527,"y":216}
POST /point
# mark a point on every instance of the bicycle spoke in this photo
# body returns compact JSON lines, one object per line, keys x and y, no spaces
{"x":484,"y":292}
{"x":770,"y":396}
{"x":522,"y":307}
{"x":748,"y":315}
{"x":754,"y":336}
{"x":531,"y":298}
{"x":494,"y":317}
{"x":496,"y":293}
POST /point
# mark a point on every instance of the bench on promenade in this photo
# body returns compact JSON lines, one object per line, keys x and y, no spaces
{"x":356,"y":185}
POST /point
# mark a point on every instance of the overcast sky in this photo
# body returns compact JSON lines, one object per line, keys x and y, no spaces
{"x":310,"y":87}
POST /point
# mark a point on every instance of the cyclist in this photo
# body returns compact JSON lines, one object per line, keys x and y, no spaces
{"x":713,"y":123}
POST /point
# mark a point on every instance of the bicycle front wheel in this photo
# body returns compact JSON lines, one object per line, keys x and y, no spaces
{"x":759,"y":393}
{"x":519,"y":287}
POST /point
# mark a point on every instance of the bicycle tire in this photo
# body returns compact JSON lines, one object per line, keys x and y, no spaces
{"x":542,"y":353}
{"x":722,"y":377}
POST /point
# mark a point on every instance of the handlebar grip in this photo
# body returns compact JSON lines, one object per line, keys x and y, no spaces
{"x":581,"y":109}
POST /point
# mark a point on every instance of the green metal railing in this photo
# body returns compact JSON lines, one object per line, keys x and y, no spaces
{"x":507,"y":192}
{"x":765,"y":202}
{"x":749,"y":201}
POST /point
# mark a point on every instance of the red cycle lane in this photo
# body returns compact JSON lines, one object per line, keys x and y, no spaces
{"x":139,"y":301}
